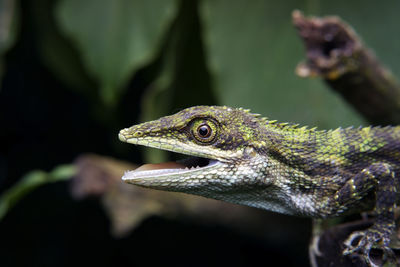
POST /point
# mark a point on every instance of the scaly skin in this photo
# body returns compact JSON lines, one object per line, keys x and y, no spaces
{"x":278,"y":166}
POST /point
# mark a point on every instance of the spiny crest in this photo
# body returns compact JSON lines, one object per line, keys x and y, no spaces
{"x":287,"y":126}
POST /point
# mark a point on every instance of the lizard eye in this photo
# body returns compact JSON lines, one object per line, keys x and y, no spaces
{"x":204,"y":131}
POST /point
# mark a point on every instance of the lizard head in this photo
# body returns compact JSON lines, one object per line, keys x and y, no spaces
{"x":218,"y":141}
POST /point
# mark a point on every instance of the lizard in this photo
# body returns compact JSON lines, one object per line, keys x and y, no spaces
{"x":244,"y":158}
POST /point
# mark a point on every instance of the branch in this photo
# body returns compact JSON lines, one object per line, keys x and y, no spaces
{"x":336,"y":54}
{"x":327,"y":248}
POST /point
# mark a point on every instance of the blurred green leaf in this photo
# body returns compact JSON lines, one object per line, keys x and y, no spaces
{"x":253,"y":49}
{"x":9,"y":16}
{"x":115,"y":37}
{"x":57,"y":52}
{"x":8,"y":23}
{"x":31,"y":181}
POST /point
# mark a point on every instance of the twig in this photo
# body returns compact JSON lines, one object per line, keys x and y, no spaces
{"x":335,"y":53}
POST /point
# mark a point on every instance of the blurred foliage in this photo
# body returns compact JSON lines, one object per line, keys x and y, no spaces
{"x":251,"y":50}
{"x":8,"y":27}
{"x":118,"y":38}
{"x":31,"y":181}
{"x":236,"y":53}
{"x":8,"y":23}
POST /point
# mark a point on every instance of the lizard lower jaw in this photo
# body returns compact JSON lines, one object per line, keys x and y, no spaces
{"x":163,"y":170}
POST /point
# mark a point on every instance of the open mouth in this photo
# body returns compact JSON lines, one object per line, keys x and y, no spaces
{"x":193,"y":164}
{"x":158,"y":170}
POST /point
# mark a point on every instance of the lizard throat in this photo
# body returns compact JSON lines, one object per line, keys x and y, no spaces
{"x":162,"y":170}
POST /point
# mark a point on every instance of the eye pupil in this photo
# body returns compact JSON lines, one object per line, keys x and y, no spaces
{"x":204,"y":131}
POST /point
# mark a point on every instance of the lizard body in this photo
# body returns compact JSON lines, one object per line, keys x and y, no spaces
{"x":249,"y":160}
